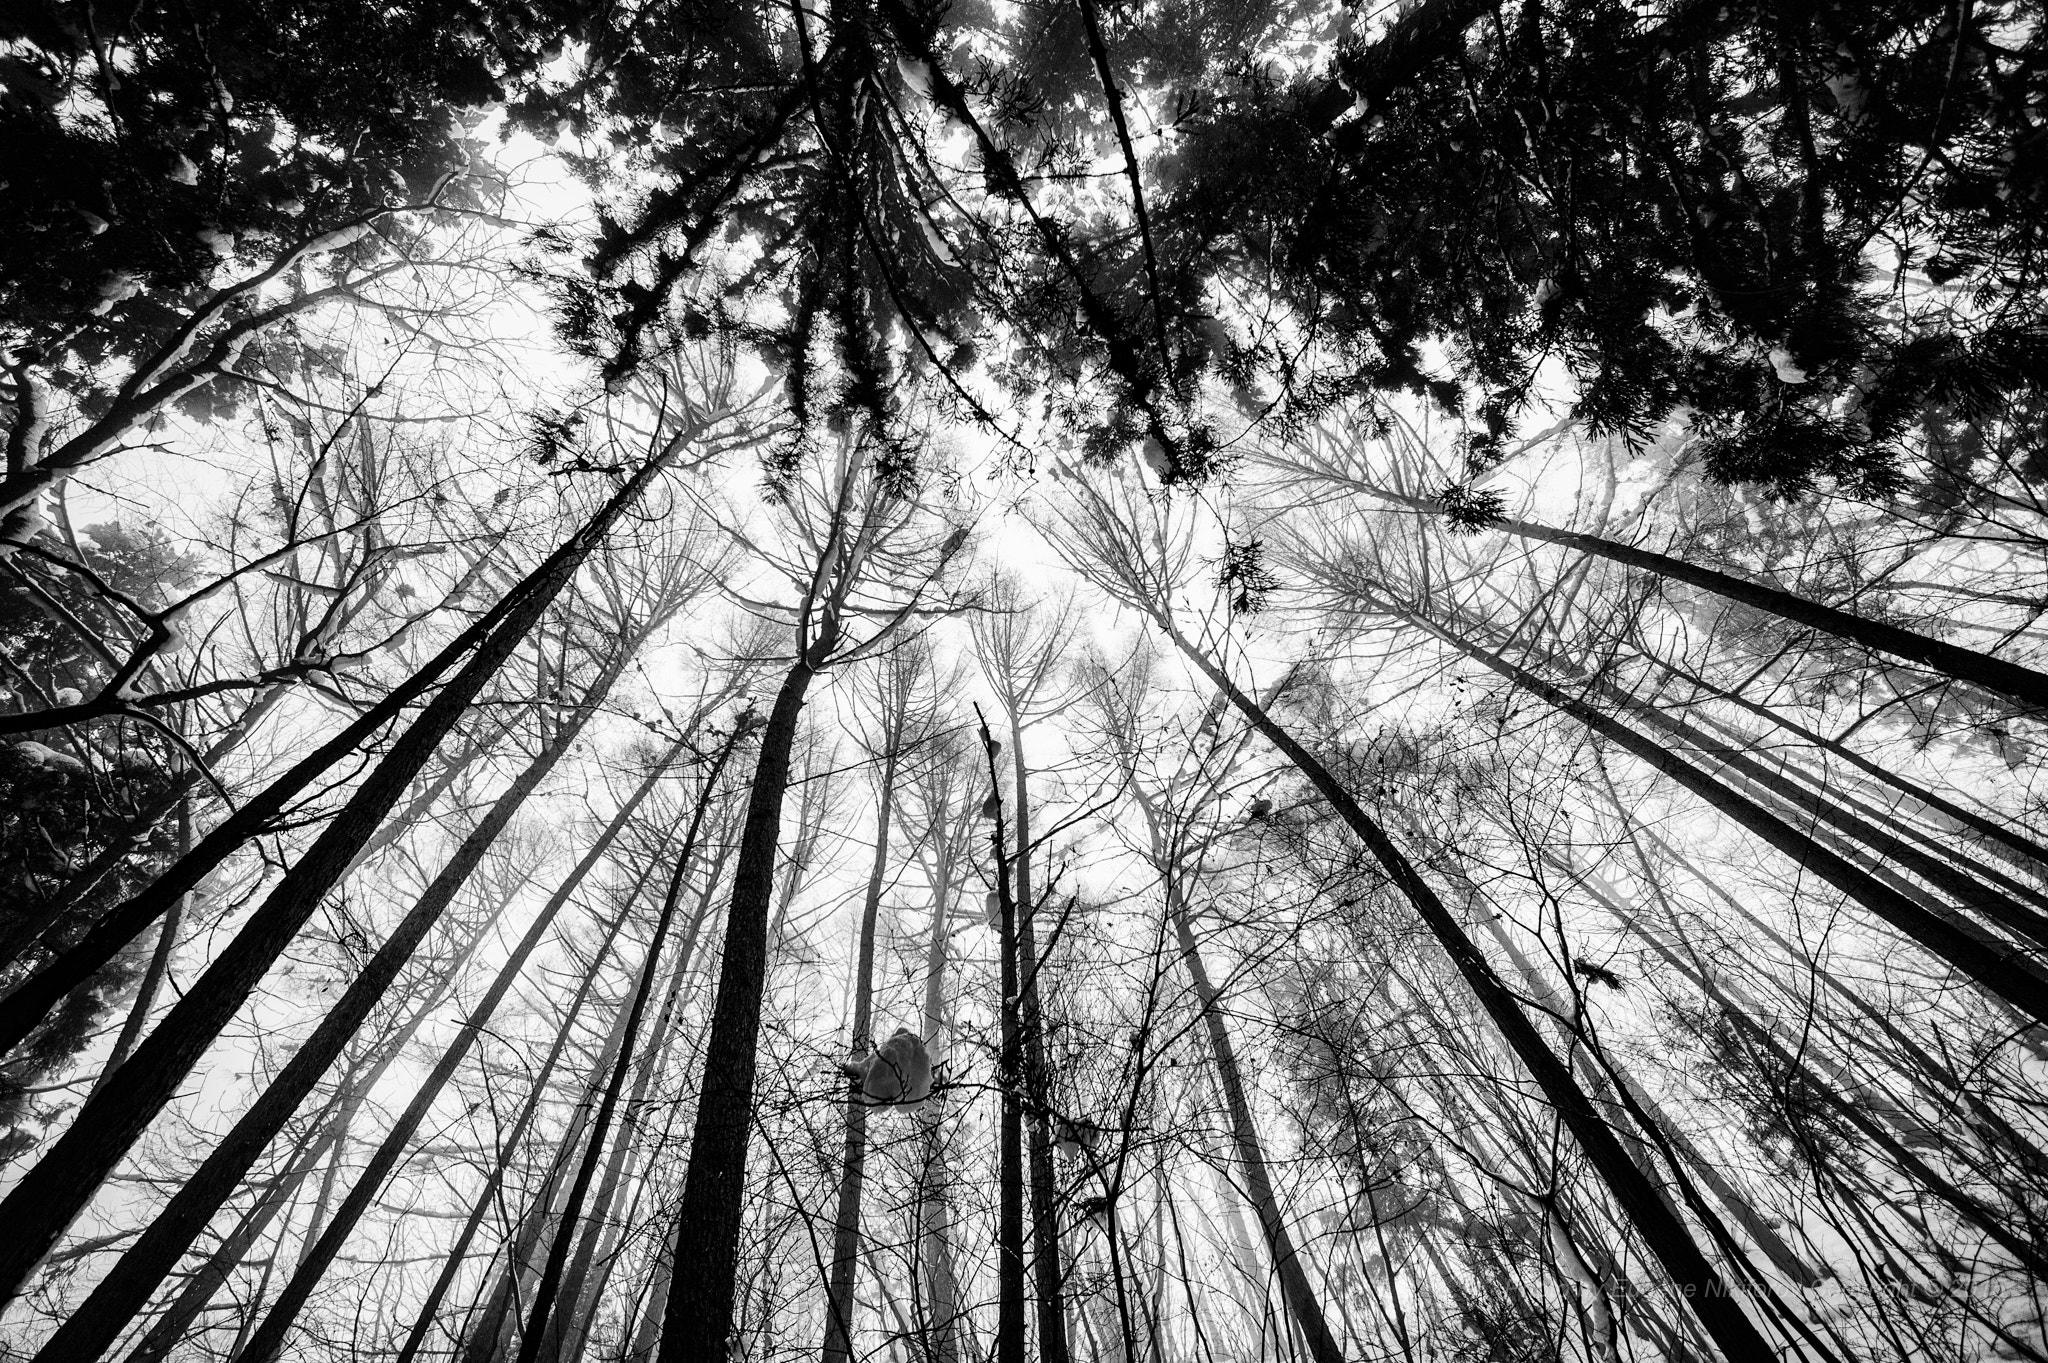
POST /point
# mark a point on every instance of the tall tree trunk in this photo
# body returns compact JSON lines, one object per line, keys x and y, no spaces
{"x":1760,"y":1231}
{"x":813,"y":796}
{"x":698,"y":1316}
{"x":2024,"y":1248}
{"x":129,"y":1283}
{"x":1936,"y":857}
{"x":65,"y":1179}
{"x":1010,"y":1340}
{"x":25,"y":933}
{"x":489,"y":642}
{"x":493,"y":1329}
{"x":174,"y":1324}
{"x":337,"y":1151}
{"x":2005,"y":901}
{"x":2015,"y":846}
{"x":1660,"y":1125}
{"x":1047,"y":1265}
{"x":2005,"y":973}
{"x":1295,"y":1287}
{"x":578,"y":1287}
{"x":276,"y":1328}
{"x":1667,"y":1237}
{"x":153,"y":977}
{"x":597,"y":1253}
{"x":314,"y":1263}
{"x":536,"y":1332}
{"x":361,"y":1077}
{"x":647,"y":1335}
{"x":487,"y":1197}
{"x":2023,"y":684}
{"x":1944,"y":1084}
{"x":845,"y":1265}
{"x":934,"y":1204}
{"x":1656,"y":1136}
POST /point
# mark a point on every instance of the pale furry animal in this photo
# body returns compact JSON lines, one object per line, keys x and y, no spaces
{"x":897,"y":1074}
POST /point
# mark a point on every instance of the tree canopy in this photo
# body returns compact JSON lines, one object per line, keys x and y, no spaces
{"x":1023,"y":679}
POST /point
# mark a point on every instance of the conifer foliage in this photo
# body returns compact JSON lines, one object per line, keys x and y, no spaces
{"x":1101,"y":682}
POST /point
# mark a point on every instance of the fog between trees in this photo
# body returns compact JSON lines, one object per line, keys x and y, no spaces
{"x":1201,"y":681}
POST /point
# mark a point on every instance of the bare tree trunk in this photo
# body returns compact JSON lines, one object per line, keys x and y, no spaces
{"x":577,"y":1286}
{"x":1760,"y":1232}
{"x":2016,"y":847}
{"x":159,"y":968}
{"x":487,"y":1197}
{"x":1936,"y":857}
{"x":846,"y":1238}
{"x":1295,"y":1287}
{"x":2023,"y":684}
{"x":583,"y":1287}
{"x":537,"y":1332}
{"x":1010,"y":1342}
{"x":647,"y":1337}
{"x":698,"y":1316}
{"x":1945,"y":1084}
{"x":934,"y":1205}
{"x":25,"y":933}
{"x":361,"y":1077}
{"x":1665,"y":1132}
{"x":129,"y":1283}
{"x":1994,"y":1224}
{"x":271,"y":1336}
{"x":2005,"y":973}
{"x":492,"y":1330}
{"x":2005,"y":901}
{"x":337,"y":1151}
{"x":489,"y":642}
{"x":1047,"y":1265}
{"x":174,"y":1324}
{"x":1665,"y":1235}
{"x":65,"y":1179}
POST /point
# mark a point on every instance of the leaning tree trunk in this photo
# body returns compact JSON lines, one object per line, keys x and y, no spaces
{"x":153,"y":977}
{"x":486,"y":1199}
{"x":1666,"y":1236}
{"x":2005,"y":973}
{"x":175,"y":1322}
{"x":490,"y":1330}
{"x":488,"y":642}
{"x":1295,"y":1288}
{"x":1759,"y":1230}
{"x":1677,"y":1150}
{"x":2025,"y":1249}
{"x":1939,"y":858}
{"x":270,"y":1338}
{"x":362,"y":1076}
{"x":2017,"y":848}
{"x":43,"y":1204}
{"x":2023,"y":684}
{"x":1936,"y":1077}
{"x":698,"y":1317}
{"x":845,"y":1266}
{"x":134,"y":831}
{"x":579,"y":1287}
{"x":1990,"y":893}
{"x":129,"y":1283}
{"x":1982,"y":890}
{"x":536,"y":1333}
